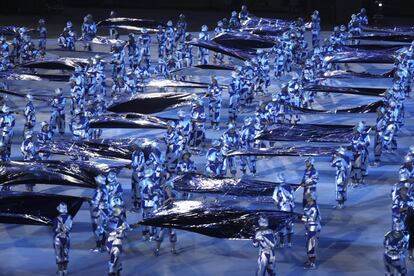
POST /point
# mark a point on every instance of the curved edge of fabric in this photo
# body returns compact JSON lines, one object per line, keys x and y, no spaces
{"x":149,"y":103}
{"x":53,"y":172}
{"x":218,"y":221}
{"x":31,"y":208}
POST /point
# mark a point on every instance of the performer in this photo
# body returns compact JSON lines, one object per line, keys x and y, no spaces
{"x":247,"y":142}
{"x":263,"y":72}
{"x":43,"y":137}
{"x":379,"y":129}
{"x":77,"y":93}
{"x":188,"y":52}
{"x":57,"y":118}
{"x":168,"y":201}
{"x":99,"y":208}
{"x":119,"y":88}
{"x":395,"y":245}
{"x":340,"y":161}
{"x":159,"y":170}
{"x":214,"y":106}
{"x":363,"y":17}
{"x":29,"y":114}
{"x":312,"y":219}
{"x":274,"y":109}
{"x":234,"y":95}
{"x":113,"y":32}
{"x":5,"y":62}
{"x":90,"y":78}
{"x":62,"y":226}
{"x":366,"y":142}
{"x":359,"y":144}
{"x":309,"y":180}
{"x":170,"y":39}
{"x":265,"y":240}
{"x":181,"y":28}
{"x":214,"y":160}
{"x":316,"y":28}
{"x":184,"y":127}
{"x":230,"y":141}
{"x":4,"y":158}
{"x":145,"y":40}
{"x":247,"y":83}
{"x":400,"y":205}
{"x":17,"y":45}
{"x":409,"y":224}
{"x":161,"y":69}
{"x":218,"y":58}
{"x":226,"y":27}
{"x":244,"y":13}
{"x":203,"y":52}
{"x":113,"y":185}
{"x":149,"y":200}
{"x":295,"y":93}
{"x":99,"y":64}
{"x":131,"y":46}
{"x":117,"y":227}
{"x":161,"y":39}
{"x":186,"y":165}
{"x":88,"y":31}
{"x":7,"y":122}
{"x":80,"y":126}
{"x":30,"y":152}
{"x":131,"y":83}
{"x":411,"y":152}
{"x":234,"y":22}
{"x":262,"y":120}
{"x":174,"y":143}
{"x":389,"y":134}
{"x":284,"y":197}
{"x":117,"y":61}
{"x":42,"y":37}
{"x":250,"y":73}
{"x":28,"y":50}
{"x":117,"y":201}
{"x":280,"y":62}
{"x":171,"y":65}
{"x":4,"y":46}
{"x":198,"y":118}
{"x":354,"y":27}
{"x":137,"y":165}
{"x":403,"y":182}
{"x":78,"y":78}
{"x":67,"y":38}
{"x":287,"y":48}
{"x":154,"y":158}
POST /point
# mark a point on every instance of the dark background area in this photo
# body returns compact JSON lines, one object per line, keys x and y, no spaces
{"x":333,"y":12}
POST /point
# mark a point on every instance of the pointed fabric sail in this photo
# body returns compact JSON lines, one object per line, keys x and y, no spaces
{"x":53,"y":172}
{"x":219,"y":221}
{"x":31,"y":208}
{"x":198,"y":183}
{"x":308,"y":133}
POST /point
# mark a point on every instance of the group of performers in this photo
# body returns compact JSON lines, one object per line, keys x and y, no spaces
{"x":186,"y":137}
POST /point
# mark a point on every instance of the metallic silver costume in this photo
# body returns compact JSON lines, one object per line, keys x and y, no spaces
{"x":61,"y":227}
{"x":168,"y":199}
{"x":341,"y":162}
{"x":312,"y":219}
{"x":284,"y":198}
{"x":265,"y":240}
{"x":395,"y":245}
{"x":117,"y":227}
